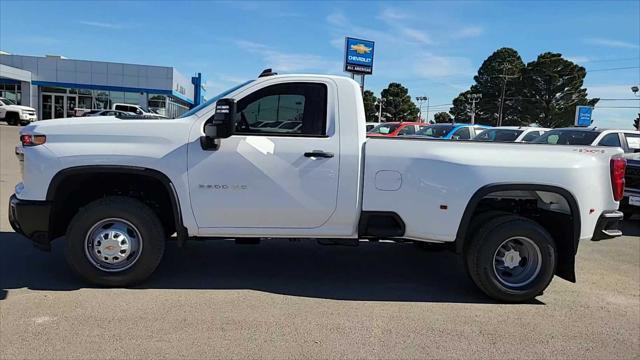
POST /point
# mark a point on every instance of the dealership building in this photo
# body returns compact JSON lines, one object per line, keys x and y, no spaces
{"x":55,"y":86}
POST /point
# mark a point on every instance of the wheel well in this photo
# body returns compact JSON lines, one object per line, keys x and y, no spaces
{"x":553,"y":208}
{"x":72,"y":189}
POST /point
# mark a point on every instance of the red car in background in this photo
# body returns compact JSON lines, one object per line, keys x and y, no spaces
{"x":391,"y":129}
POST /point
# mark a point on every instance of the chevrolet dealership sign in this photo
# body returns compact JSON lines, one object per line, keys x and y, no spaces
{"x":358,"y":56}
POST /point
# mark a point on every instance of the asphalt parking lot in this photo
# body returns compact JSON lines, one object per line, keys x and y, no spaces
{"x":302,"y":300}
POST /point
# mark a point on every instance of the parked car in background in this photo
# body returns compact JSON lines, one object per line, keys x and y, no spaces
{"x":107,"y":113}
{"x":630,"y":204}
{"x":627,"y":140}
{"x":15,"y":114}
{"x":371,"y":125}
{"x":136,"y":109}
{"x":392,"y":129}
{"x":451,"y":131}
{"x":510,"y":134}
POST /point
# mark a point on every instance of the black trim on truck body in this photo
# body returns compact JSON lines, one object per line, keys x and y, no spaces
{"x":566,"y":263}
{"x":380,"y":224}
{"x":31,"y":219}
{"x":181,"y":231}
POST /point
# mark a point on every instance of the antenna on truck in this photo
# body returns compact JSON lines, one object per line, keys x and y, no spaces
{"x":267,"y":72}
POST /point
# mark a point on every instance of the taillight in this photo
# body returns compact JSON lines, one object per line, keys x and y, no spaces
{"x":32,"y":140}
{"x":618,"y":166}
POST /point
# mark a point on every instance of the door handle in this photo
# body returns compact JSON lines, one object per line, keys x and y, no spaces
{"x":318,"y":154}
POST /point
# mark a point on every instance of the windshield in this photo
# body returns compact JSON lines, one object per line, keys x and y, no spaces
{"x":384,"y":129}
{"x":213,"y":100}
{"x":499,"y":135}
{"x":567,"y":137}
{"x":436,"y":131}
{"x":7,"y":101}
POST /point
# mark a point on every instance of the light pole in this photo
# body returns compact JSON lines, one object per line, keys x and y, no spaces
{"x":421,"y":100}
{"x":474,"y":98}
{"x":380,"y":103}
{"x":635,"y":90}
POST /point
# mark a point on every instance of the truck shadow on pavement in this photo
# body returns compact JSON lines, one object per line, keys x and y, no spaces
{"x":369,"y":272}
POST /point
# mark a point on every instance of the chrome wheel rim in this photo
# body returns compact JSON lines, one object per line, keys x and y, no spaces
{"x":113,"y":245}
{"x":517,"y":262}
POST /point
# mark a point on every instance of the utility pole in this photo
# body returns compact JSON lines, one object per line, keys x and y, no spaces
{"x":504,"y":88}
{"x":474,"y":98}
{"x":421,"y":100}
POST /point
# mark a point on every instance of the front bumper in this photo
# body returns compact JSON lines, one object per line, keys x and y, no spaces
{"x":608,"y":226}
{"x":31,"y":219}
{"x":28,"y":117}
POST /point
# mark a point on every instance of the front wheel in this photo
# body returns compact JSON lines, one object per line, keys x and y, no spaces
{"x":511,"y":258}
{"x":115,"y":241}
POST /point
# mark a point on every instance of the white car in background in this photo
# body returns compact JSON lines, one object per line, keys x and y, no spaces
{"x":136,"y":109}
{"x":15,"y":114}
{"x":511,"y":134}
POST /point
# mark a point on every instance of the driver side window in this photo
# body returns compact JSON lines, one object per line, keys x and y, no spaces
{"x":284,"y":109}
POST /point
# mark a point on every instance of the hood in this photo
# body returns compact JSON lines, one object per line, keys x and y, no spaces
{"x":106,"y":126}
{"x":21,"y":107}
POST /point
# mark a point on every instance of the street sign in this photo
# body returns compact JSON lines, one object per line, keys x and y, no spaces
{"x":358,"y":56}
{"x":583,"y":116}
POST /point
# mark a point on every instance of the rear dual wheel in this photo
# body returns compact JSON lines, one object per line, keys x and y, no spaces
{"x":511,"y":258}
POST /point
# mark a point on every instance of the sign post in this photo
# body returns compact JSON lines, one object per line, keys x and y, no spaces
{"x":583,"y":116}
{"x":358,"y":58}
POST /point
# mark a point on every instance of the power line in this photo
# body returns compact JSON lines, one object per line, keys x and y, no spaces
{"x":614,"y":69}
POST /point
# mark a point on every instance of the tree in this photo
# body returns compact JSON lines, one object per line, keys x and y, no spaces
{"x":551,"y":88}
{"x":442,"y":117}
{"x":636,"y":122}
{"x":498,"y":81}
{"x":397,"y":104}
{"x":370,"y":108}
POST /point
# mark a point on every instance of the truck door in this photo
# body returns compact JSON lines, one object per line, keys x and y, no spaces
{"x":279,"y":169}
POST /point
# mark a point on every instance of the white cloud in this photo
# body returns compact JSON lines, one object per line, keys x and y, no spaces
{"x":337,"y":19}
{"x":288,"y":61}
{"x":103,"y":25}
{"x":391,"y":14}
{"x":434,"y":66}
{"x":416,"y":35}
{"x":468,"y":32}
{"x":612,"y":43}
{"x":578,"y":59}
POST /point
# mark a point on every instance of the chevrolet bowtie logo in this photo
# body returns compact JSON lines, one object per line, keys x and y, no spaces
{"x":360,"y":49}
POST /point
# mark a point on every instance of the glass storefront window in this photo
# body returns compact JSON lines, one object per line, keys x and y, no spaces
{"x":12,"y":92}
{"x":50,"y":89}
{"x":132,"y":98}
{"x":102,"y":99}
{"x":115,"y":97}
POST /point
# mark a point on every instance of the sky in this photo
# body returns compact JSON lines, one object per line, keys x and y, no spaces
{"x":432,"y":47}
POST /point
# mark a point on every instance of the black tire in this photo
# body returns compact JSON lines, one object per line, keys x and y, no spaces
{"x":152,"y":238}
{"x":484,"y":245}
{"x":11,"y":118}
{"x":24,"y":123}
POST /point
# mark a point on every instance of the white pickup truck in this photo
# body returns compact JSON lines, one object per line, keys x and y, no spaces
{"x":15,"y":114}
{"x":117,"y":189}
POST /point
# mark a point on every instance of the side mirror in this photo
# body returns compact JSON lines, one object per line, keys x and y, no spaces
{"x":220,"y":126}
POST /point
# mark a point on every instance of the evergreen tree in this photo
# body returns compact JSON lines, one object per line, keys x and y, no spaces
{"x":501,"y":70}
{"x":551,"y":89}
{"x":442,"y":117}
{"x":370,"y":108}
{"x":397,"y":104}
